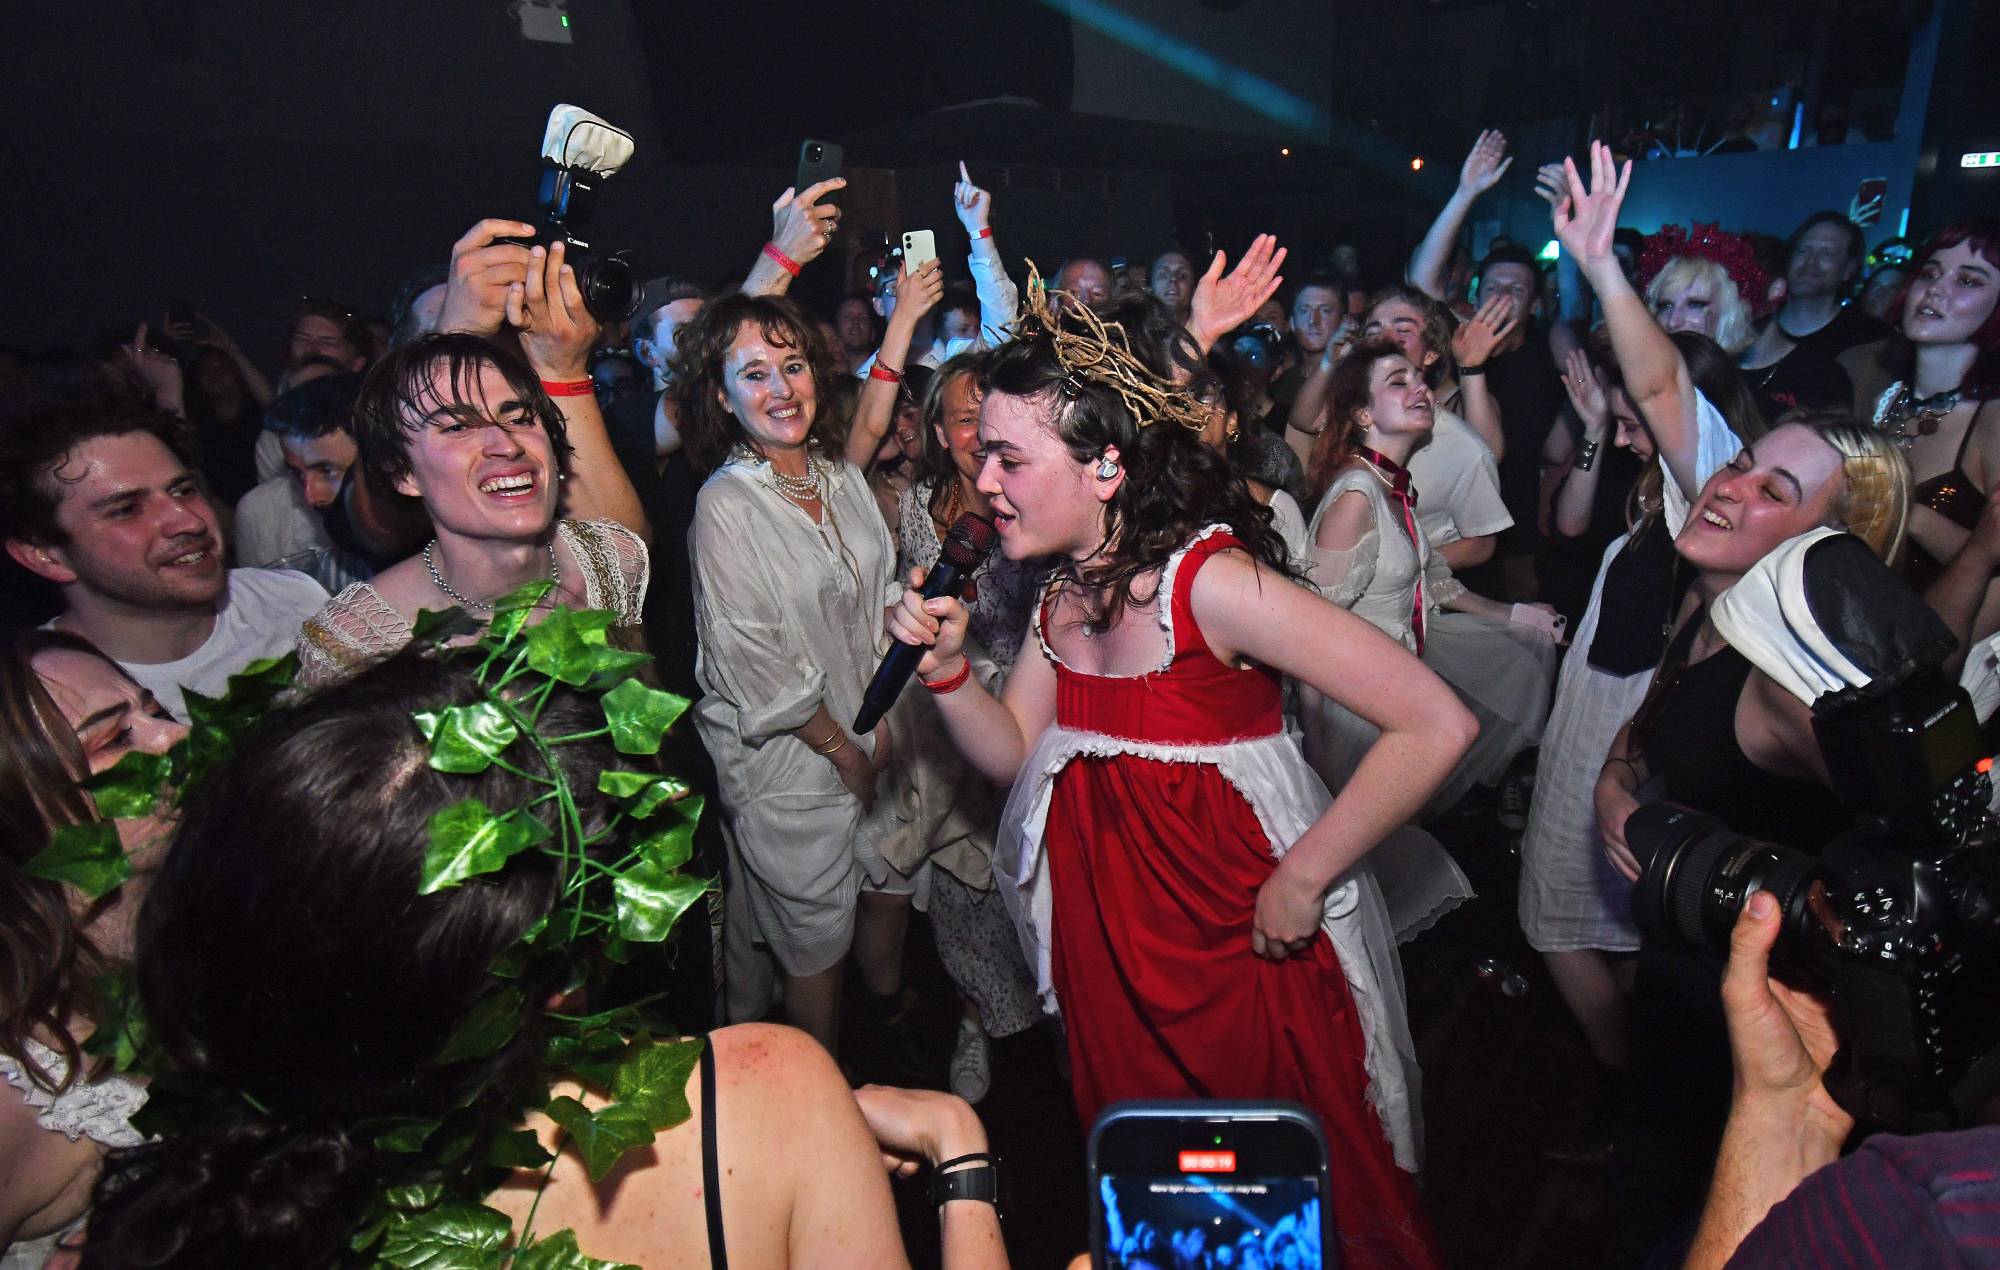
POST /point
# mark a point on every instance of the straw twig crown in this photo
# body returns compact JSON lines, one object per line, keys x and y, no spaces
{"x":1093,"y":351}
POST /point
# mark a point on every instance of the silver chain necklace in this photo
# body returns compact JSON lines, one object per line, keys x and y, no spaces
{"x":555,"y":577}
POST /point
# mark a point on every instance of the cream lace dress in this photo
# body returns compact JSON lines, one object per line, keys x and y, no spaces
{"x":358,"y":625}
{"x":101,"y":1110}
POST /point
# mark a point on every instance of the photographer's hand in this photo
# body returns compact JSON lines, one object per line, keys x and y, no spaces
{"x":557,"y":331}
{"x":1782,"y":1123}
{"x":483,"y":273}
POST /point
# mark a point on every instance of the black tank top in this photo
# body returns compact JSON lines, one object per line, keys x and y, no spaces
{"x":1690,"y":741}
{"x":1641,"y":592}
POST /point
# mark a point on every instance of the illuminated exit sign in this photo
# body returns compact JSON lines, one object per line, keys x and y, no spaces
{"x":1982,"y":159}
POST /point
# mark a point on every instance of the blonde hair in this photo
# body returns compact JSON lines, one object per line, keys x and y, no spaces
{"x":1733,"y":328}
{"x":1874,"y":506}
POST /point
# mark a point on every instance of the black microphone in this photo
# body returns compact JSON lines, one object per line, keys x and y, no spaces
{"x":964,"y":548}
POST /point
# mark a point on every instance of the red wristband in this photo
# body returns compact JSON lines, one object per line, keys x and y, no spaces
{"x":785,"y":262}
{"x":952,"y":684}
{"x":886,"y":375}
{"x":569,"y":387}
{"x":985,"y":233}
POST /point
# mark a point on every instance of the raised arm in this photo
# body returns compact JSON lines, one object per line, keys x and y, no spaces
{"x":1222,"y":302}
{"x":916,"y":295}
{"x":999,"y":298}
{"x":1471,"y":344}
{"x":1578,"y":495}
{"x":801,"y":228}
{"x":1480,"y":172}
{"x":1572,"y":322}
{"x":557,"y":333}
{"x":1656,"y":379}
{"x":1246,"y":612}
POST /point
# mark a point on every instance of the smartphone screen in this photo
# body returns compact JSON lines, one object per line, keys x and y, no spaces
{"x":1173,"y":1184}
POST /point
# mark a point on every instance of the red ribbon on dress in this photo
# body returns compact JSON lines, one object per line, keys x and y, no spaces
{"x":1405,"y":498}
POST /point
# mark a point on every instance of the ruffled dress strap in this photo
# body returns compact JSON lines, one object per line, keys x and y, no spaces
{"x":100,"y":1109}
{"x":1184,"y":636}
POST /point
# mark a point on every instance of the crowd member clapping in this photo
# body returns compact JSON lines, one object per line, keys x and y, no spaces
{"x":496,"y":447}
{"x":68,"y":712}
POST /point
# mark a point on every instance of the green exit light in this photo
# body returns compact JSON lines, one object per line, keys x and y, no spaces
{"x":565,"y":18}
{"x":1982,"y":159}
{"x":1552,"y":250}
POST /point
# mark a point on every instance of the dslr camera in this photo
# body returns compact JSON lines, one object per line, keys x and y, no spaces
{"x":579,"y":152}
{"x":1897,"y":920}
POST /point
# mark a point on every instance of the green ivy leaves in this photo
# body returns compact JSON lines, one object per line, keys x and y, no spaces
{"x":89,"y":857}
{"x":600,"y":1137}
{"x":559,"y":1252}
{"x":466,"y":739}
{"x":639,"y":716}
{"x":570,"y":646}
{"x":469,"y":838}
{"x":650,"y":899}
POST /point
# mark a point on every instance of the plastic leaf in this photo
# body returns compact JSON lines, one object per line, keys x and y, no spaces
{"x":601,"y":1137}
{"x":639,"y":716}
{"x":467,"y":739}
{"x":594,"y":1057}
{"x":120,"y":1034}
{"x":647,"y":793}
{"x":88,"y":857}
{"x":559,"y":1252}
{"x":403,"y":1134}
{"x":491,"y":1023}
{"x":453,"y":1236}
{"x":566,"y":645}
{"x":517,"y":1150}
{"x":672,"y":846}
{"x":653,"y":1081}
{"x":438,"y":626}
{"x":129,"y":788}
{"x":467,"y":839}
{"x":651,"y":898}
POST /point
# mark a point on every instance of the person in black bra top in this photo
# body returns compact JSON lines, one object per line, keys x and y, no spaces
{"x":1940,"y":410}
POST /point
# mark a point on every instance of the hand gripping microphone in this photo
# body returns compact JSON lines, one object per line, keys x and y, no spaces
{"x":964,"y":548}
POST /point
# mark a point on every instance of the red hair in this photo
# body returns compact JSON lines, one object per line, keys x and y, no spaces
{"x":1982,"y":235}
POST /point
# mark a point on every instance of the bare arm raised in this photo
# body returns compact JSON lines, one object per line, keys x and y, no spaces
{"x":1481,"y":171}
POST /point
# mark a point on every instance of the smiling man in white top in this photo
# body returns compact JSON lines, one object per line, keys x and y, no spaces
{"x":97,"y":501}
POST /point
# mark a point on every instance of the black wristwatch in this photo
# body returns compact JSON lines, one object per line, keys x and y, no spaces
{"x":981,"y":1182}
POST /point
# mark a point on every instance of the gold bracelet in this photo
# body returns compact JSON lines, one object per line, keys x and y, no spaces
{"x":832,"y":744}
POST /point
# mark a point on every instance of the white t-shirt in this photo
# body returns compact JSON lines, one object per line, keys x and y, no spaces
{"x":259,"y":616}
{"x":273,"y":521}
{"x":1457,"y":483}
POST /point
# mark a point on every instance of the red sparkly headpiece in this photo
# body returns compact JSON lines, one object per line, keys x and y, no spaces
{"x":1709,"y":242}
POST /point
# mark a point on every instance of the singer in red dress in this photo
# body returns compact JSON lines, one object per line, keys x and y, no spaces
{"x":1187,"y":891}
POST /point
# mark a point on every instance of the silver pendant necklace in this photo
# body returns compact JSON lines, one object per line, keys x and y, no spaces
{"x":555,"y":578}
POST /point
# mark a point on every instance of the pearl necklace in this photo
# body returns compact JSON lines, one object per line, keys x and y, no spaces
{"x":810,"y":487}
{"x":555,"y":577}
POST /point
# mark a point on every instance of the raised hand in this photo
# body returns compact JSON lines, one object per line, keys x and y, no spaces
{"x":1474,"y":341}
{"x":801,"y":225}
{"x":1586,"y":391}
{"x":918,"y":293}
{"x":973,"y":204}
{"x":1586,"y":219}
{"x":1224,"y":301}
{"x":484,"y":273}
{"x":1550,"y":184}
{"x":557,"y":331}
{"x":1485,"y":165}
{"x":160,"y":373}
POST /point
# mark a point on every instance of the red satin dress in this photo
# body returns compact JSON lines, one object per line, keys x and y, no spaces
{"x":1154,"y":867}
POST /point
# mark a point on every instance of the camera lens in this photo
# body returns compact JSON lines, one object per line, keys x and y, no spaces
{"x":610,"y":287}
{"x":1696,"y":873}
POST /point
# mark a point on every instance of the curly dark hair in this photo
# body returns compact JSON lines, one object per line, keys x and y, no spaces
{"x":702,"y":347}
{"x":1174,"y":485}
{"x":49,"y":412}
{"x":404,"y":391}
{"x":285,"y":955}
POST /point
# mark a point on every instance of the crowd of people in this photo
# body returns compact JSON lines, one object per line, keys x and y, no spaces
{"x":1296,"y":564}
